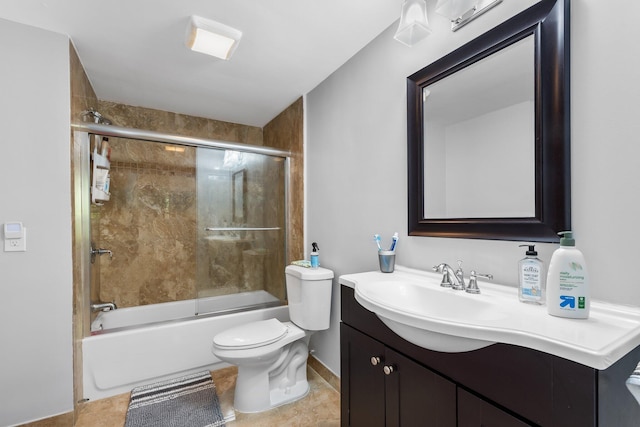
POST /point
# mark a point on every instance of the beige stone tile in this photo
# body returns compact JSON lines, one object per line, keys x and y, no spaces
{"x":321,"y":407}
{"x":64,"y":420}
{"x":110,"y":412}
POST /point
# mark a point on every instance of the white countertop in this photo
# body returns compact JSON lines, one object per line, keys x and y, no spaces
{"x":610,"y":332}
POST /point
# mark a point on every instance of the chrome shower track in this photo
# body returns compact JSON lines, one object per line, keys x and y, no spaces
{"x":147,"y":135}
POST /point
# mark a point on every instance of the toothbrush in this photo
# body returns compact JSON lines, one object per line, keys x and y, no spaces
{"x":395,"y":241}
{"x":376,"y":237}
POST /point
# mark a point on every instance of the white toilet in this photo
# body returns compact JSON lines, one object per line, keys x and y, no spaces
{"x":271,"y":355}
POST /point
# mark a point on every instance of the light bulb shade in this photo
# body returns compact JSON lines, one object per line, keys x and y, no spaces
{"x":211,"y":37}
{"x":454,"y":9}
{"x":414,"y":25}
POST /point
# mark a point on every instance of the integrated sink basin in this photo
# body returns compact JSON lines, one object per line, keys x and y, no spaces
{"x":414,"y":305}
{"x":413,"y":310}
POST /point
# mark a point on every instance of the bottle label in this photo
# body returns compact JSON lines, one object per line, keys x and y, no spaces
{"x":571,"y":282}
{"x":530,"y":279}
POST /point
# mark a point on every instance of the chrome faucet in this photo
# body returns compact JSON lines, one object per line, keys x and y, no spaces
{"x":104,"y":306}
{"x":455,"y":279}
{"x":460,"y":276}
{"x":449,"y":277}
{"x":99,"y":251}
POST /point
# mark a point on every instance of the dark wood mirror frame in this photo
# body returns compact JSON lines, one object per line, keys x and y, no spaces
{"x":548,"y":22}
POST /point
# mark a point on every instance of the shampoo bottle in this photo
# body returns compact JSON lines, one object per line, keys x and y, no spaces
{"x":568,"y":281}
{"x":531,"y":278}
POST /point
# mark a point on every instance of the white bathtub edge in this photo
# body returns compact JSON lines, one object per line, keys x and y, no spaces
{"x":115,"y":363}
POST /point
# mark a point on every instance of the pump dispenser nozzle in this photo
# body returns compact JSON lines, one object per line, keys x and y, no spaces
{"x":531,"y":250}
{"x":566,"y":238}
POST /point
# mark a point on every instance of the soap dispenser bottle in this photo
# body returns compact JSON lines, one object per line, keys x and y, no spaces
{"x":568,"y":281}
{"x":531,"y":278}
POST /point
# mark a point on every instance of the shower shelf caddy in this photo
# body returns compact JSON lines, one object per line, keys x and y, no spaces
{"x":101,"y":179}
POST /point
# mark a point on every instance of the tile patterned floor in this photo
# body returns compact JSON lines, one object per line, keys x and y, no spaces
{"x":320,"y":408}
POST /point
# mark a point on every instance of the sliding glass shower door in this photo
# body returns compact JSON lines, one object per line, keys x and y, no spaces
{"x":241,"y":203}
{"x":190,"y":220}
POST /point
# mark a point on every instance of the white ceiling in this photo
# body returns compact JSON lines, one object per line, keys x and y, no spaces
{"x":133,"y":50}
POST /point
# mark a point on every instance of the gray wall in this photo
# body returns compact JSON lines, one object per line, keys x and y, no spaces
{"x":36,"y":378}
{"x":356,"y":154}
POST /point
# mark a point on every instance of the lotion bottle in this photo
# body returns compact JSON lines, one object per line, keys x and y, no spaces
{"x":568,"y":281}
{"x":531,"y":278}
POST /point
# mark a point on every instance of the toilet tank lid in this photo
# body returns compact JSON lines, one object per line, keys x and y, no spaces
{"x":305,"y":273}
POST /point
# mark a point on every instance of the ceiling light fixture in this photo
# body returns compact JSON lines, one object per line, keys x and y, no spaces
{"x":461,"y":12}
{"x":414,"y":25}
{"x":212,"y":38}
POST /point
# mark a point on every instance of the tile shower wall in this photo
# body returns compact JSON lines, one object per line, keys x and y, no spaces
{"x":285,"y":131}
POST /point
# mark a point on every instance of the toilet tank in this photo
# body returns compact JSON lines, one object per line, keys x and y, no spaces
{"x":309,"y":296}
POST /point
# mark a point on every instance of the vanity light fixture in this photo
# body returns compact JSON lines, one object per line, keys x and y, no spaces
{"x":414,"y":25}
{"x":211,"y":37}
{"x":461,"y":12}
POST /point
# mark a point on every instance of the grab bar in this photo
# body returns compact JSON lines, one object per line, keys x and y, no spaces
{"x":241,"y":228}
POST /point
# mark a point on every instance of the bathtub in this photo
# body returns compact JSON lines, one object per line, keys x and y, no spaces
{"x":141,"y":345}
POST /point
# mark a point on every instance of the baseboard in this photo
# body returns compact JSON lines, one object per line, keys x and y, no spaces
{"x":324,"y":372}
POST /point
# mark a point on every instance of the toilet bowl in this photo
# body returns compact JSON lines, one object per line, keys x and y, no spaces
{"x":272,"y":355}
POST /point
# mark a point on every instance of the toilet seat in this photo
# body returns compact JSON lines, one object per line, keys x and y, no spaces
{"x":251,"y":335}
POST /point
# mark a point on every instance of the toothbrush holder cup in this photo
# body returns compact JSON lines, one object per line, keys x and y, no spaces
{"x":387,"y":261}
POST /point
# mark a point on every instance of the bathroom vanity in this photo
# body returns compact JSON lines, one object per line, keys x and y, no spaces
{"x":388,"y":381}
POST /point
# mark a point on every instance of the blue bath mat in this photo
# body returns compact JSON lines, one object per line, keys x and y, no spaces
{"x":188,"y":401}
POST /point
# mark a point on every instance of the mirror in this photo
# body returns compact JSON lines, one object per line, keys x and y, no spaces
{"x":488,"y":133}
{"x":463,"y":176}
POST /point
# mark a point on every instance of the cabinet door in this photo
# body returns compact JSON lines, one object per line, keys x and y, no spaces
{"x":417,"y":396}
{"x":475,"y":412}
{"x":362,"y":382}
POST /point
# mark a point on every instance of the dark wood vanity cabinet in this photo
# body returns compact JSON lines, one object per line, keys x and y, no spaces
{"x":475,"y":412}
{"x":389,"y":389}
{"x":385,"y":388}
{"x":497,"y":386}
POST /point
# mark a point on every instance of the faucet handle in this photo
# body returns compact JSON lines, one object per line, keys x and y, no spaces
{"x":473,"y":281}
{"x":442,"y":268}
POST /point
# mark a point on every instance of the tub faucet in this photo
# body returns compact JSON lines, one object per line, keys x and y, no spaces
{"x":103,"y":306}
{"x":449,"y":277}
{"x":99,"y":251}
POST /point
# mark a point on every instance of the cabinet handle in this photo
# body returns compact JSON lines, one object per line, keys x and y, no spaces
{"x":375,"y":360}
{"x":389,"y":369}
